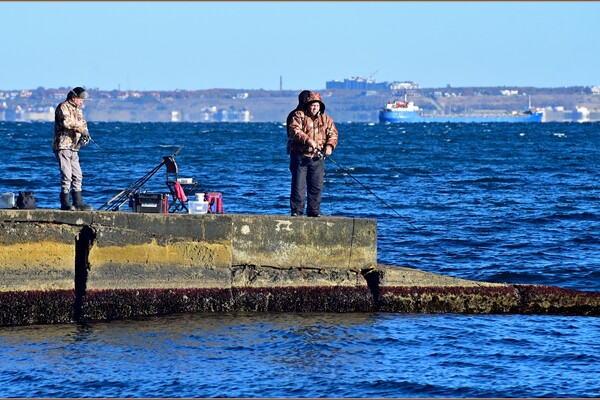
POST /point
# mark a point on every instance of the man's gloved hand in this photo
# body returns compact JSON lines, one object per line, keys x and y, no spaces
{"x":85,"y":137}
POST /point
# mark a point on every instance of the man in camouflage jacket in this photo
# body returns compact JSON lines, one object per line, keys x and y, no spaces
{"x":70,"y":132}
{"x":311,"y":135}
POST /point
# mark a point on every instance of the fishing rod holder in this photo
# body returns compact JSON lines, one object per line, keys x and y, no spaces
{"x":127,"y":194}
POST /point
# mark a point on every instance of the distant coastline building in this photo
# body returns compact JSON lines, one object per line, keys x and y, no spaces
{"x":356,"y":83}
{"x":576,"y":103}
{"x":359,"y":83}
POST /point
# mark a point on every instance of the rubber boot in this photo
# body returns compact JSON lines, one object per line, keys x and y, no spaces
{"x":65,"y":204}
{"x":78,"y":203}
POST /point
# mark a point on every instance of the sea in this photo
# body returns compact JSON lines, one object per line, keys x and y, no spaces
{"x":498,"y":202}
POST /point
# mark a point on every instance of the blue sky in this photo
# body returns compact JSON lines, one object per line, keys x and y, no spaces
{"x":250,"y":45}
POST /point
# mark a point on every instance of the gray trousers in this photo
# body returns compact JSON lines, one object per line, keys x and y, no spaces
{"x":70,"y":170}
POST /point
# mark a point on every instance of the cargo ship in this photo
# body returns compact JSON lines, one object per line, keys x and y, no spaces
{"x":407,"y":112}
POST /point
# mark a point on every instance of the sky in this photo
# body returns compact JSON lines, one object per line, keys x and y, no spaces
{"x":299,"y":45}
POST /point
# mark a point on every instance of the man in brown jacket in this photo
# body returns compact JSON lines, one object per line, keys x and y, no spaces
{"x":70,"y":132}
{"x":311,"y":136}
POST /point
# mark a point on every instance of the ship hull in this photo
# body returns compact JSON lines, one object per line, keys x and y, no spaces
{"x":387,"y":116}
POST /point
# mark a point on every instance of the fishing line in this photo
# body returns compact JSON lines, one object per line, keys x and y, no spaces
{"x":107,"y":155}
{"x":328,"y":188}
{"x":389,"y":206}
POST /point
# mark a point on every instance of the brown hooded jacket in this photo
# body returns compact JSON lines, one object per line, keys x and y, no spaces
{"x":304,"y":127}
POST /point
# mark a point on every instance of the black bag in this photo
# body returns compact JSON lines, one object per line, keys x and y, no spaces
{"x":26,"y":201}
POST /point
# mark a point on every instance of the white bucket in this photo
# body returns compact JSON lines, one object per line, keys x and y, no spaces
{"x":197,"y":207}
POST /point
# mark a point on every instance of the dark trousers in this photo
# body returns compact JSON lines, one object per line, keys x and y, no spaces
{"x":307,"y":178}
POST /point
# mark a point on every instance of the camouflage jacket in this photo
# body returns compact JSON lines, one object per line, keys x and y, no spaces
{"x":303,"y":127}
{"x":68,"y":126}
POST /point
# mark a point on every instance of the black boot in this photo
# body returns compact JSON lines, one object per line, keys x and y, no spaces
{"x":65,"y":204}
{"x":78,"y":202}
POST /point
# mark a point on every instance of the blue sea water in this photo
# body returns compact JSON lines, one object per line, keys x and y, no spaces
{"x":515,"y":203}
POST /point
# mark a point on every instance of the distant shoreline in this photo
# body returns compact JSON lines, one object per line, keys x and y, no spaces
{"x":243,"y":105}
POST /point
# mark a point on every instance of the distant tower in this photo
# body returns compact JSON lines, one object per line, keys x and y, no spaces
{"x":280,"y":83}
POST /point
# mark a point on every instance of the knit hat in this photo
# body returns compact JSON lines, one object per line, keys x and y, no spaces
{"x":77,"y":92}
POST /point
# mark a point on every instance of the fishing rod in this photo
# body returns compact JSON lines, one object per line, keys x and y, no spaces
{"x":124,"y":195}
{"x":120,"y":198}
{"x":320,"y":154}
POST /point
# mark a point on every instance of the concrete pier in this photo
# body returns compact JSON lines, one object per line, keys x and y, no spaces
{"x":63,"y":266}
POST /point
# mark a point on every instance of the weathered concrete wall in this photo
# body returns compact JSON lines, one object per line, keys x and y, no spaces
{"x":36,"y":256}
{"x":409,"y":290}
{"x":60,"y":266}
{"x":156,"y":251}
